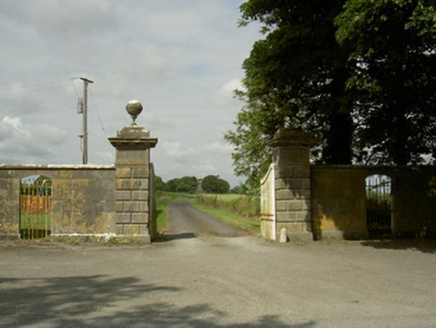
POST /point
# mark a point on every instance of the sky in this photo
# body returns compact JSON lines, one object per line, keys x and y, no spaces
{"x":180,"y":59}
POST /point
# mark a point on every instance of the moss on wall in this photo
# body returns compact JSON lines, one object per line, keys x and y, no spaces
{"x":83,"y":198}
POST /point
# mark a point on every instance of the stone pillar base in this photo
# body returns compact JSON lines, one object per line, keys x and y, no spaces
{"x":139,"y":239}
{"x":133,"y":232}
{"x":300,"y":236}
{"x":296,"y":231}
{"x":9,"y":236}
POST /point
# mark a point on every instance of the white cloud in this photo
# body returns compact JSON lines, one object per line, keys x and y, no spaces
{"x":203,"y":170}
{"x":177,"y":151}
{"x":225,"y":95}
{"x":220,"y":147}
{"x":28,"y":143}
{"x":12,"y":127}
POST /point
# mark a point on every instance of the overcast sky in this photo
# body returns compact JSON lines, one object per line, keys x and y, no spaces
{"x":181,"y":59}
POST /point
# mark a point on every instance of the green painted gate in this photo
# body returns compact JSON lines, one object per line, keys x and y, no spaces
{"x":35,"y":207}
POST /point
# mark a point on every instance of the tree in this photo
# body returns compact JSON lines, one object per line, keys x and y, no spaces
{"x":213,"y":184}
{"x":392,"y":48}
{"x":185,"y":184}
{"x":236,"y":190}
{"x":359,"y":74}
{"x":160,"y":185}
{"x":172,"y":184}
{"x":294,"y":76}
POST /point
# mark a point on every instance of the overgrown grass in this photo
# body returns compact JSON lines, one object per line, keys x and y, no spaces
{"x":242,"y":205}
{"x":227,"y":216}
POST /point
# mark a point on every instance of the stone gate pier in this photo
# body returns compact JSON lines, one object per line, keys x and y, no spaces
{"x":304,"y":201}
{"x":286,"y":193}
{"x":134,"y":176}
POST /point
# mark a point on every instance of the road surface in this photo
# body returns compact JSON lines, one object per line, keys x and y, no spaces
{"x":203,"y":280}
{"x":185,"y":220}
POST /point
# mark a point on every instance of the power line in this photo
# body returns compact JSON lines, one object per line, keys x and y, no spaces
{"x":98,"y":115}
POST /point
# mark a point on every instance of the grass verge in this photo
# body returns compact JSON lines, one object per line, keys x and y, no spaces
{"x":228,"y":217}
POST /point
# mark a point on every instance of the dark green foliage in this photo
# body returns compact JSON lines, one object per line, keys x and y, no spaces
{"x":295,"y":76}
{"x":215,"y":185}
{"x":159,"y":183}
{"x":236,"y":190}
{"x":361,"y":75}
{"x":392,"y":51}
{"x":185,"y":184}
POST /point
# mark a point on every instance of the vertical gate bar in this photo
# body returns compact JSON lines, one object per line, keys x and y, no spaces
{"x":29,"y":209}
{"x":376,"y":195}
{"x":22,"y":207}
{"x":26,"y":217}
{"x":35,"y":213}
{"x":45,"y":211}
{"x":38,"y":210}
{"x":32,"y":213}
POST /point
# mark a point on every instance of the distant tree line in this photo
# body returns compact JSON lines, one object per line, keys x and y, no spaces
{"x":210,"y":184}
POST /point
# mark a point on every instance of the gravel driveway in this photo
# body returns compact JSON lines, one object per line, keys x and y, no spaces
{"x":198,"y":280}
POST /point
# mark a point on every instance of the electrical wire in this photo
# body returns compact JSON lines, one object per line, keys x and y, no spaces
{"x":97,"y":114}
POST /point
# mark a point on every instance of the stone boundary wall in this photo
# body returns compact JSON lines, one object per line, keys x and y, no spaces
{"x":338,"y":195}
{"x":83,"y":199}
{"x":301,"y":201}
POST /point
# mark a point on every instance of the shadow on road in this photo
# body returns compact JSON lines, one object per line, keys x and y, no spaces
{"x":175,"y":236}
{"x":424,"y":246}
{"x":98,"y":301}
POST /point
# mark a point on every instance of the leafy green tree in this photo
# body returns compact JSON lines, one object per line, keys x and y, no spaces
{"x":188,"y":184}
{"x":214,"y":185}
{"x":359,"y":74}
{"x":295,"y":76}
{"x":185,"y":184}
{"x":172,"y":184}
{"x":236,"y":190}
{"x":160,"y":184}
{"x":392,"y":48}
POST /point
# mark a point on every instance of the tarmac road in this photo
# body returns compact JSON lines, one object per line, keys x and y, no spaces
{"x":203,"y":280}
{"x":184,"y":219}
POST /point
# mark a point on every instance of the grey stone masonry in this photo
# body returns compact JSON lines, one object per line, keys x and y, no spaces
{"x":132,"y":171}
{"x":290,"y":157}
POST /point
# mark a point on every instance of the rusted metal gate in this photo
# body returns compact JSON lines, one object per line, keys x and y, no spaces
{"x":35,"y":209}
{"x":379,"y":205}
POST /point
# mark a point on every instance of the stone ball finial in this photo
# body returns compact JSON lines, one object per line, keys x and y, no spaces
{"x":134,"y":108}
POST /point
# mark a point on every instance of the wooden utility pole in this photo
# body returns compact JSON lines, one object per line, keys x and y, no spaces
{"x":85,"y":119}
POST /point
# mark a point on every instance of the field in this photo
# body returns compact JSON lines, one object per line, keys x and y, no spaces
{"x":34,"y":220}
{"x":35,"y":225}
